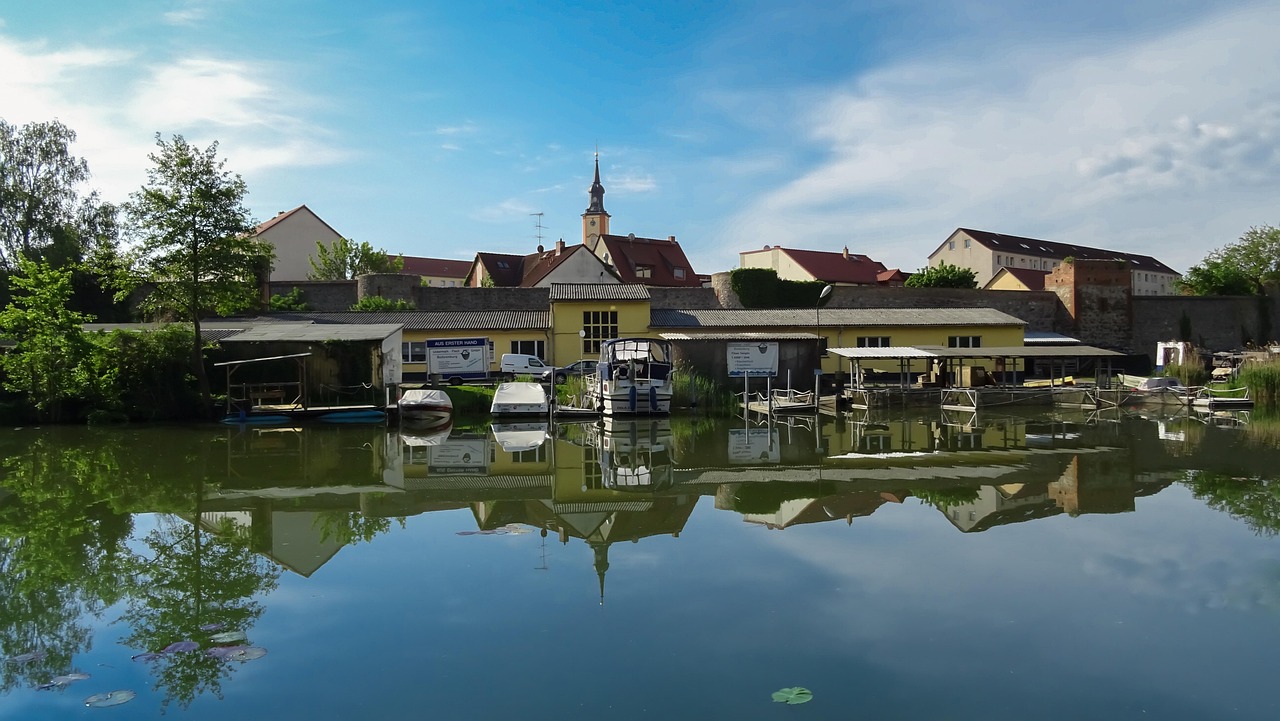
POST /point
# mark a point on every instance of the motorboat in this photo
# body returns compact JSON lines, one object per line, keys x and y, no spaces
{"x":520,"y":399}
{"x":633,"y":377}
{"x":427,"y":405}
{"x":520,"y":437}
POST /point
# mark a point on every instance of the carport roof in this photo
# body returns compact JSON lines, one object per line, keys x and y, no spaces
{"x":314,"y":332}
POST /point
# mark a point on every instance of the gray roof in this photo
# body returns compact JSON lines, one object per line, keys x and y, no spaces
{"x":598,"y":291}
{"x":315,"y":332}
{"x":896,"y":352}
{"x":842,"y":317}
{"x":439,"y":319}
{"x":738,"y":336}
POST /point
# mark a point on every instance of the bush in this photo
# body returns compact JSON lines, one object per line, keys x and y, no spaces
{"x":376,"y":303}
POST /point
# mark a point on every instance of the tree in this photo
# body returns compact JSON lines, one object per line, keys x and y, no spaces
{"x":943,"y":275}
{"x":38,"y":181}
{"x":196,"y":251}
{"x":345,"y":259}
{"x":1254,"y":260}
{"x":1215,"y":276}
{"x":50,"y":345}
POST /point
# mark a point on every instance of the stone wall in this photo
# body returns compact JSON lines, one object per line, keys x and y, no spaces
{"x":432,"y":298}
{"x":320,"y":295}
{"x":1213,"y":323}
{"x":1096,"y":295}
{"x":684,"y":298}
{"x":1038,"y":308}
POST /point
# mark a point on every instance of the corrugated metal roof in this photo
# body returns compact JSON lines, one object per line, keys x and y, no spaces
{"x":1044,"y":337}
{"x":738,"y":336}
{"x":440,"y":319}
{"x":314,"y":332}
{"x":884,"y":353}
{"x":842,"y":317}
{"x":1017,"y":351}
{"x":598,"y":291}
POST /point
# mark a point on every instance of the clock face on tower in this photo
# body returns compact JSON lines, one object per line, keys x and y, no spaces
{"x":593,"y":222}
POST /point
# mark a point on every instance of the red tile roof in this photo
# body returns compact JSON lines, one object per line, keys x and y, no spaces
{"x":436,"y":267}
{"x":527,"y":271}
{"x":1030,"y":277}
{"x":831,"y":267}
{"x":662,"y":257}
{"x":1053,"y":249}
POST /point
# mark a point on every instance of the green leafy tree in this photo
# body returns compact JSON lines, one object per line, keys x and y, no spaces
{"x":288,"y":301}
{"x":50,"y":345}
{"x":1252,"y":499}
{"x":344,"y":259}
{"x":1244,"y":267}
{"x":376,"y":303}
{"x":195,"y":249}
{"x":943,"y":275}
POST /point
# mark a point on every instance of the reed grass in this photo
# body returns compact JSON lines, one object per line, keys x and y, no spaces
{"x":1263,"y":382}
{"x":690,"y":389}
{"x":1188,"y":374}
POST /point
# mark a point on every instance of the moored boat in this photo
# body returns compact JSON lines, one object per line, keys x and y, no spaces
{"x":425,"y":405}
{"x":519,"y":399}
{"x":633,"y":377}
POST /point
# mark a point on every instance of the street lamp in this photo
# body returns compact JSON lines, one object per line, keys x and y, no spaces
{"x":817,"y":318}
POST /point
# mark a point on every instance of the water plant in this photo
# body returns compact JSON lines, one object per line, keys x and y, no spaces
{"x":690,"y":389}
{"x":1188,"y":374}
{"x":793,"y":695}
{"x":1263,"y":382}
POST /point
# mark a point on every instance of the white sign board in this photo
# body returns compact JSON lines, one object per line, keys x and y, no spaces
{"x":753,"y":360}
{"x":461,"y":357}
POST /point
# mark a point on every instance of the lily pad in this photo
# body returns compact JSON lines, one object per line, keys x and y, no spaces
{"x":147,"y":657}
{"x":181,"y":647}
{"x":224,"y":652}
{"x":248,"y":654}
{"x":112,"y":698}
{"x":793,"y":695}
{"x":227,"y":637}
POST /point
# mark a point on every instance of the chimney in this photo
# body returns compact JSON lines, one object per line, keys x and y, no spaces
{"x":671,"y":238}
{"x":846,"y":252}
{"x":559,"y":246}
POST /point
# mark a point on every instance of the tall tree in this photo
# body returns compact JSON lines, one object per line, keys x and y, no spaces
{"x":50,"y":343}
{"x":344,"y":259}
{"x":195,"y":248}
{"x":39,"y":178}
{"x":1244,"y":267}
{"x":943,"y":275}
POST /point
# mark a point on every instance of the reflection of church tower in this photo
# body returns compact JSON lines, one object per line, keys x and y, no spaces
{"x":602,"y":564}
{"x":595,"y":222}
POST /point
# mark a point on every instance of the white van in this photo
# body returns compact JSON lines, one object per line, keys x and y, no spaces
{"x":521,"y":364}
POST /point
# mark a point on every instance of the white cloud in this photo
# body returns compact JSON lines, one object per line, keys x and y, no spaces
{"x":464,"y":129}
{"x":116,"y":104}
{"x":1167,"y":146}
{"x":632,"y":182}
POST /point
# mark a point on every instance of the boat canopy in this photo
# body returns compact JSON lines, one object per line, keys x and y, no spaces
{"x":622,"y":349}
{"x":426,"y":396}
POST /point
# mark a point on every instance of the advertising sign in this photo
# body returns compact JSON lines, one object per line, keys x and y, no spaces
{"x":753,"y":360}
{"x":754,"y":445}
{"x":458,"y":357}
{"x":459,"y":456}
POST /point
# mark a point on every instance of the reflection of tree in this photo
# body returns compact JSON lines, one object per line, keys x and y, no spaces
{"x":944,"y":498}
{"x":1252,"y":499}
{"x":60,"y":555}
{"x":352,"y":527}
{"x":192,"y":579}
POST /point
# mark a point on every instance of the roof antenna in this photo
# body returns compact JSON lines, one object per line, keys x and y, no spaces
{"x":538,"y":227}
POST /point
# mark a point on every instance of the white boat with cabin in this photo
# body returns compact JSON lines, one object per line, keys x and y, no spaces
{"x":633,"y":377}
{"x":519,"y":399}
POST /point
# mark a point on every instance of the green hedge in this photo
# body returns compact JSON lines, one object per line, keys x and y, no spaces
{"x":762,"y":288}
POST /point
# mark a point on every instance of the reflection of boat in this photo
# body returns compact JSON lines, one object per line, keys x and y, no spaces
{"x":517,"y":437}
{"x":633,"y":377}
{"x":519,"y":399}
{"x":425,"y":437}
{"x":426,"y":404}
{"x":635,"y":455}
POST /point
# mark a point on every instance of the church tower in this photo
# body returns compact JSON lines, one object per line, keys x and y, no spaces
{"x":595,"y":222}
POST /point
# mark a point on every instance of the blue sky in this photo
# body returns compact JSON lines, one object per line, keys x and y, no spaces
{"x":438,"y":128}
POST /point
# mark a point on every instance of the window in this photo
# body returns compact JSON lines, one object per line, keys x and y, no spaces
{"x":529,"y":347}
{"x":966,"y":242}
{"x":951,"y":245}
{"x":1023,"y":261}
{"x":534,"y":455}
{"x":679,"y":273}
{"x":998,"y":259}
{"x":598,"y":325}
{"x":644,"y":271}
{"x":964,"y":341}
{"x":415,"y":352}
{"x":873,"y":341}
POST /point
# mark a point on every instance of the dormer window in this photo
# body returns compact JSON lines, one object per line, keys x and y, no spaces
{"x":644,"y":271}
{"x":679,"y":273}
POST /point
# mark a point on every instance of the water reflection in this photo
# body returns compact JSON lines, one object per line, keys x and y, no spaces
{"x":236,"y":507}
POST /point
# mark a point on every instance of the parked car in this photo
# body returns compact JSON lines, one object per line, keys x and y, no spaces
{"x":522,"y":364}
{"x":576,"y":368}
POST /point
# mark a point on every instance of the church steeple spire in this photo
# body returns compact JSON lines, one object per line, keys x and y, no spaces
{"x":597,"y":191}
{"x":595,"y":222}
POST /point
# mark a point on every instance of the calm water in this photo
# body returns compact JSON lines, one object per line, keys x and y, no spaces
{"x":1012,"y":568}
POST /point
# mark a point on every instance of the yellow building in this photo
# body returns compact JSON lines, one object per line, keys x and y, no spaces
{"x":582,"y":315}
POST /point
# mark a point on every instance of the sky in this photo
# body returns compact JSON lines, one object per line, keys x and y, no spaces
{"x":440,"y":128}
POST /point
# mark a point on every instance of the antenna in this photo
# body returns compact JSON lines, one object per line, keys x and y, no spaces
{"x":538,"y":227}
